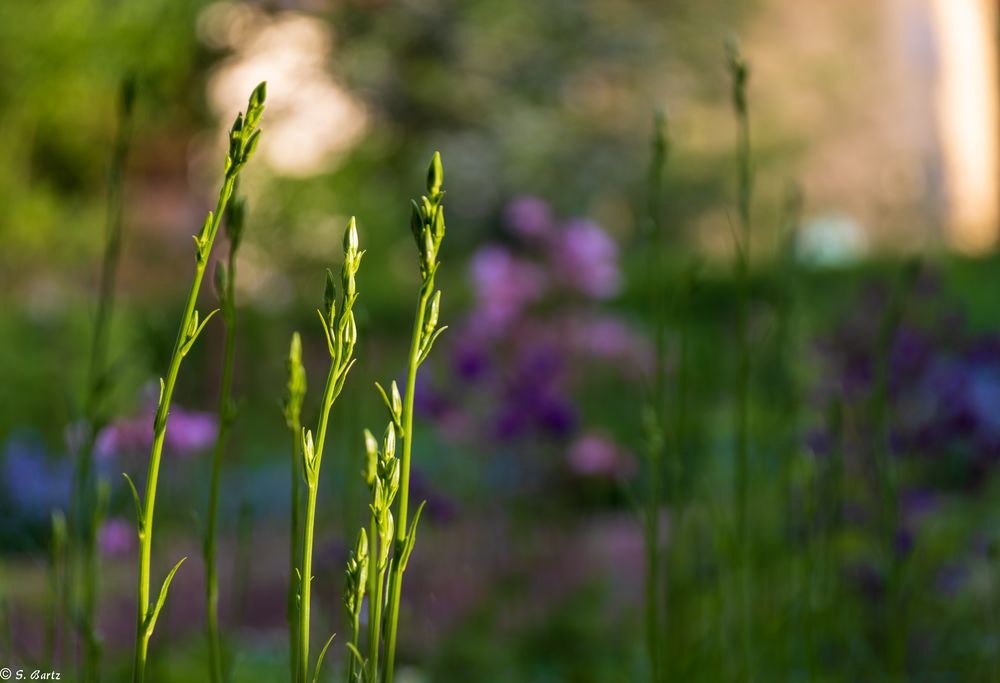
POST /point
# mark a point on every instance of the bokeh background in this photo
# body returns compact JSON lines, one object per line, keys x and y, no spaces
{"x":874,"y":319}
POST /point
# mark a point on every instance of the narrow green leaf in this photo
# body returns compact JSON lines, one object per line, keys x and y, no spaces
{"x":319,"y":660}
{"x":155,"y":612}
{"x":138,"y":504}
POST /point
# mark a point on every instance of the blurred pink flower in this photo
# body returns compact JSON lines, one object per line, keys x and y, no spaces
{"x":529,"y":217}
{"x":188,"y":432}
{"x":504,"y":286}
{"x":116,"y":537}
{"x":609,"y":338}
{"x":586,"y":259}
{"x":594,"y":455}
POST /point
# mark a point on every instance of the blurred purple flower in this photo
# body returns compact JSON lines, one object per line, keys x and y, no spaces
{"x":116,"y":537}
{"x":504,"y":286}
{"x":529,"y":217}
{"x":608,"y":338}
{"x":586,"y":259}
{"x":594,"y":455}
{"x":188,"y":432}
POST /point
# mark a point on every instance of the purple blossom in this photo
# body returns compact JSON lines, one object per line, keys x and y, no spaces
{"x":529,"y":217}
{"x":116,"y":537}
{"x":594,"y":455}
{"x":504,"y":286}
{"x":188,"y":432}
{"x":586,"y":259}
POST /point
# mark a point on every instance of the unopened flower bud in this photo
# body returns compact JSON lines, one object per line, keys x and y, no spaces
{"x":435,"y":174}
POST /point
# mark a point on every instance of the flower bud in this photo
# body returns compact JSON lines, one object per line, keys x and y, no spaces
{"x":371,"y":458}
{"x":351,"y":330}
{"x":435,"y":175}
{"x":389,"y":443}
{"x":351,"y":237}
{"x":397,"y":402}
{"x":432,"y":313}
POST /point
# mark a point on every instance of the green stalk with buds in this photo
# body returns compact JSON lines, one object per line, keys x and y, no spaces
{"x":739,"y":73}
{"x":292,"y":408}
{"x":381,"y":473}
{"x":341,"y":333}
{"x":225,"y":290}
{"x":243,"y":138}
{"x":427,"y":226}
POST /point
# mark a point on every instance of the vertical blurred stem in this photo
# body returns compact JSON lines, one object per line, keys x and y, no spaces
{"x":57,"y":577}
{"x":655,"y":410}
{"x":81,"y":547}
{"x":226,"y":411}
{"x":739,"y":73}
{"x":896,"y":630}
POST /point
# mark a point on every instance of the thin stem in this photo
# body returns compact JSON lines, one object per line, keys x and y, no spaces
{"x":395,"y":572}
{"x":295,"y":547}
{"x":302,"y":668}
{"x":376,"y":581}
{"x":739,"y":72}
{"x":655,"y":498}
{"x":225,"y":412}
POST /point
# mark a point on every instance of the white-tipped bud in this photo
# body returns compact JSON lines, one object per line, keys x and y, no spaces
{"x":371,"y":458}
{"x":389,"y":443}
{"x":351,"y":237}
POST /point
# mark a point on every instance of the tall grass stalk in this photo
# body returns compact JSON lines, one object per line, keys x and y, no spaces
{"x":225,"y":289}
{"x":57,"y":584}
{"x":428,"y":228}
{"x":243,"y":138}
{"x":656,"y":406}
{"x":83,"y":522}
{"x":341,"y":333}
{"x":295,"y":393}
{"x":739,"y":73}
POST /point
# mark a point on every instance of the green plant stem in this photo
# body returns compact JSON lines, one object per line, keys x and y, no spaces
{"x":329,"y":396}
{"x":739,"y":72}
{"x":657,"y":445}
{"x":295,"y":548}
{"x":376,"y":581}
{"x":302,"y":668}
{"x":395,"y":571}
{"x":215,"y":655}
{"x":143,"y":634}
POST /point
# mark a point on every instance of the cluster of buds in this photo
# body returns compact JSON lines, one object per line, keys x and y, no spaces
{"x":244,"y":135}
{"x":340,"y":328}
{"x":382,"y":475}
{"x":243,"y":138}
{"x":427,"y":220}
{"x":427,"y":226}
{"x":357,"y":576}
